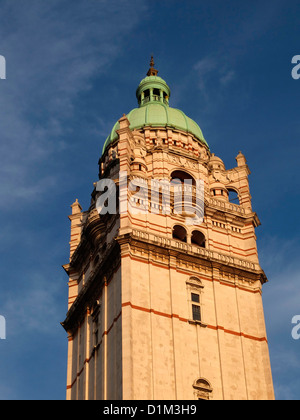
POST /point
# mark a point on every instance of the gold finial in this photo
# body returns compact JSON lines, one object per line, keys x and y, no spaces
{"x":152,"y":71}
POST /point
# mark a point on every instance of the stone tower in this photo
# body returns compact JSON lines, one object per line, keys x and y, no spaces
{"x":160,"y":306}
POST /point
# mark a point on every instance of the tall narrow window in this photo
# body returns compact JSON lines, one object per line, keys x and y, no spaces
{"x":196,"y":312}
{"x":96,"y":317}
{"x":96,"y":331}
{"x":195,"y":290}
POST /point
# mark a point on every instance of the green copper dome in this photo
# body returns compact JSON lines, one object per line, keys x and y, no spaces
{"x":154,"y":111}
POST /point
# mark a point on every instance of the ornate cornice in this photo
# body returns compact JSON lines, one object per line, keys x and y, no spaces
{"x":190,"y":254}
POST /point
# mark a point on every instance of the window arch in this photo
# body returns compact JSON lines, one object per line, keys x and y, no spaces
{"x":233,"y":196}
{"x":179,"y":233}
{"x":202,"y":389}
{"x":183,"y":193}
{"x":182,"y":176}
{"x":198,"y":238}
{"x":195,"y":281}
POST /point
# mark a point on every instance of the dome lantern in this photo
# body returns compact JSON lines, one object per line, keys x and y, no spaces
{"x":154,"y":111}
{"x":152,"y":88}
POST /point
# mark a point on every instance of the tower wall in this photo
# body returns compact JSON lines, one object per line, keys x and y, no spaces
{"x":165,"y":351}
{"x":94,"y":325}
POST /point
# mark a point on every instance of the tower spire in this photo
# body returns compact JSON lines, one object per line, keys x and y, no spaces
{"x":152,"y":71}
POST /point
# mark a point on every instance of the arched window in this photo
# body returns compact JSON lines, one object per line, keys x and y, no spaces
{"x":183,"y":194}
{"x":202,"y":389}
{"x":179,"y":233}
{"x":233,"y":196}
{"x":181,"y":176}
{"x":198,"y":238}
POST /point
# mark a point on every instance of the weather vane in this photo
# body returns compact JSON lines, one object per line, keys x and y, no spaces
{"x":152,"y":71}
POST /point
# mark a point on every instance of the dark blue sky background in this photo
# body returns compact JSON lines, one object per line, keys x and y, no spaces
{"x":72,"y":71}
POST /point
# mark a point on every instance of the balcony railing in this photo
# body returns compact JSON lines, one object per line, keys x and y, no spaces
{"x":226,"y":206}
{"x":193,"y":249}
{"x":155,"y":98}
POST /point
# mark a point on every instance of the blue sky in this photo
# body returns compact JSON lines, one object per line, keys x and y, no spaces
{"x":72,"y":71}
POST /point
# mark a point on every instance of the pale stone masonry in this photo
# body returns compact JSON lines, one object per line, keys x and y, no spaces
{"x":159,"y":309}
